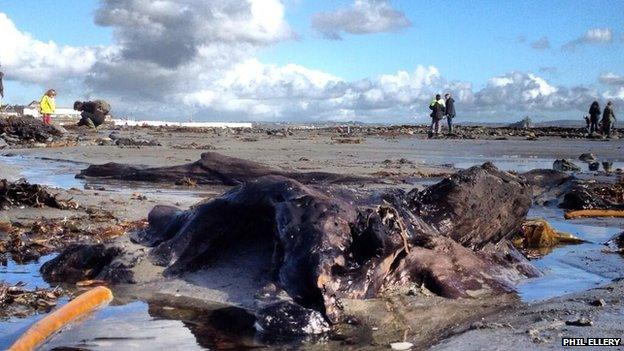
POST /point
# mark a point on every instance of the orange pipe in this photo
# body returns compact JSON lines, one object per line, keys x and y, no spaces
{"x":50,"y":324}
{"x":594,"y":213}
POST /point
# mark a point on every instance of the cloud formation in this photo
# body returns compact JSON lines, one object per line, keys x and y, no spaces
{"x":362,"y":17}
{"x":541,"y":44}
{"x":592,"y":36}
{"x":199,"y":59}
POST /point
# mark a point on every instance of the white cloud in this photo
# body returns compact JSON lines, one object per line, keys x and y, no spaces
{"x":592,"y":36}
{"x":362,"y":17}
{"x":541,"y":44}
{"x":611,"y":78}
{"x":29,"y":60}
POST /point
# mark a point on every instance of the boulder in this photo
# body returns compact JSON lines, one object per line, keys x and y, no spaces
{"x":565,"y":166}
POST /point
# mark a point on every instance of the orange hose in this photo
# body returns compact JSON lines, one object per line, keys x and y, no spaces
{"x":594,"y":213}
{"x":83,"y":304}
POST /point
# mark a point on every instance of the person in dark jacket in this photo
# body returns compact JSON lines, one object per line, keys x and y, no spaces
{"x":437,"y":113}
{"x":450,"y":111}
{"x":594,"y":115}
{"x":608,"y":119}
{"x":93,"y":112}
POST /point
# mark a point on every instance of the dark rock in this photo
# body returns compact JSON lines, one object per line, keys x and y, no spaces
{"x":3,"y":143}
{"x":607,"y":166}
{"x":598,"y":303}
{"x":565,"y":166}
{"x":587,"y":157}
{"x":594,"y":195}
{"x":594,"y":166}
{"x":212,"y":168}
{"x":581,"y":322}
{"x":287,"y":318}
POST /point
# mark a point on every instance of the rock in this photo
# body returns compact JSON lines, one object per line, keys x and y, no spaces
{"x":606,"y":165}
{"x":565,"y":166}
{"x":594,"y":195}
{"x":401,"y":346}
{"x":587,"y":157}
{"x":3,"y":143}
{"x":136,"y":142}
{"x":289,"y":319}
{"x":594,"y":166}
{"x":581,"y":322}
{"x":598,"y":303}
{"x":212,"y":168}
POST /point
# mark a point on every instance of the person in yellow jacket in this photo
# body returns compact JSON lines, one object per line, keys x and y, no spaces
{"x":47,"y":106}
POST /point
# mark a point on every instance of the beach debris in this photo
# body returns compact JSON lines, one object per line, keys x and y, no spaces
{"x":213,"y":168}
{"x":19,"y":301}
{"x":186,"y":181}
{"x":193,"y":146}
{"x":401,"y":346}
{"x":28,"y":242}
{"x":565,"y":165}
{"x":594,"y":196}
{"x":598,"y":303}
{"x":23,"y":193}
{"x":346,"y":140}
{"x":136,"y":141}
{"x":580,"y":322}
{"x":26,"y":129}
{"x":587,"y":157}
{"x":537,"y":238}
{"x":326,"y":248}
{"x":594,"y":213}
{"x":79,"y":307}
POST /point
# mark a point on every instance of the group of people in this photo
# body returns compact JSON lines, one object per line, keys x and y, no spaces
{"x":92,"y":113}
{"x":595,"y":124}
{"x":440,"y":109}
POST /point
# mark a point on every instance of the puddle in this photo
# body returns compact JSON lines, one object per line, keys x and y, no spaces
{"x":574,"y":268}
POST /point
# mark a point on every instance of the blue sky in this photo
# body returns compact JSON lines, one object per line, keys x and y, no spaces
{"x":458,"y":43}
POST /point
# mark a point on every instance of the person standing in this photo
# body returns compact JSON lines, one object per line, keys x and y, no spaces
{"x":437,"y":113}
{"x":47,"y":106}
{"x":608,"y":119}
{"x":594,"y":115}
{"x":450,"y":111}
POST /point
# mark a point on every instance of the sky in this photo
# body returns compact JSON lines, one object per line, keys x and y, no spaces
{"x":300,"y":60}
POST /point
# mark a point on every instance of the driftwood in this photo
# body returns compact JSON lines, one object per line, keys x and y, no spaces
{"x":325,"y":248}
{"x":212,"y":168}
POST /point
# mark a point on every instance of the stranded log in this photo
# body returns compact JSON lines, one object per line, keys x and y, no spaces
{"x":213,"y":168}
{"x":78,"y":307}
{"x":594,"y":213}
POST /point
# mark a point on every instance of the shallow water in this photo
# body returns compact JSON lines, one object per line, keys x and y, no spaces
{"x":574,"y":268}
{"x":62,"y":174}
